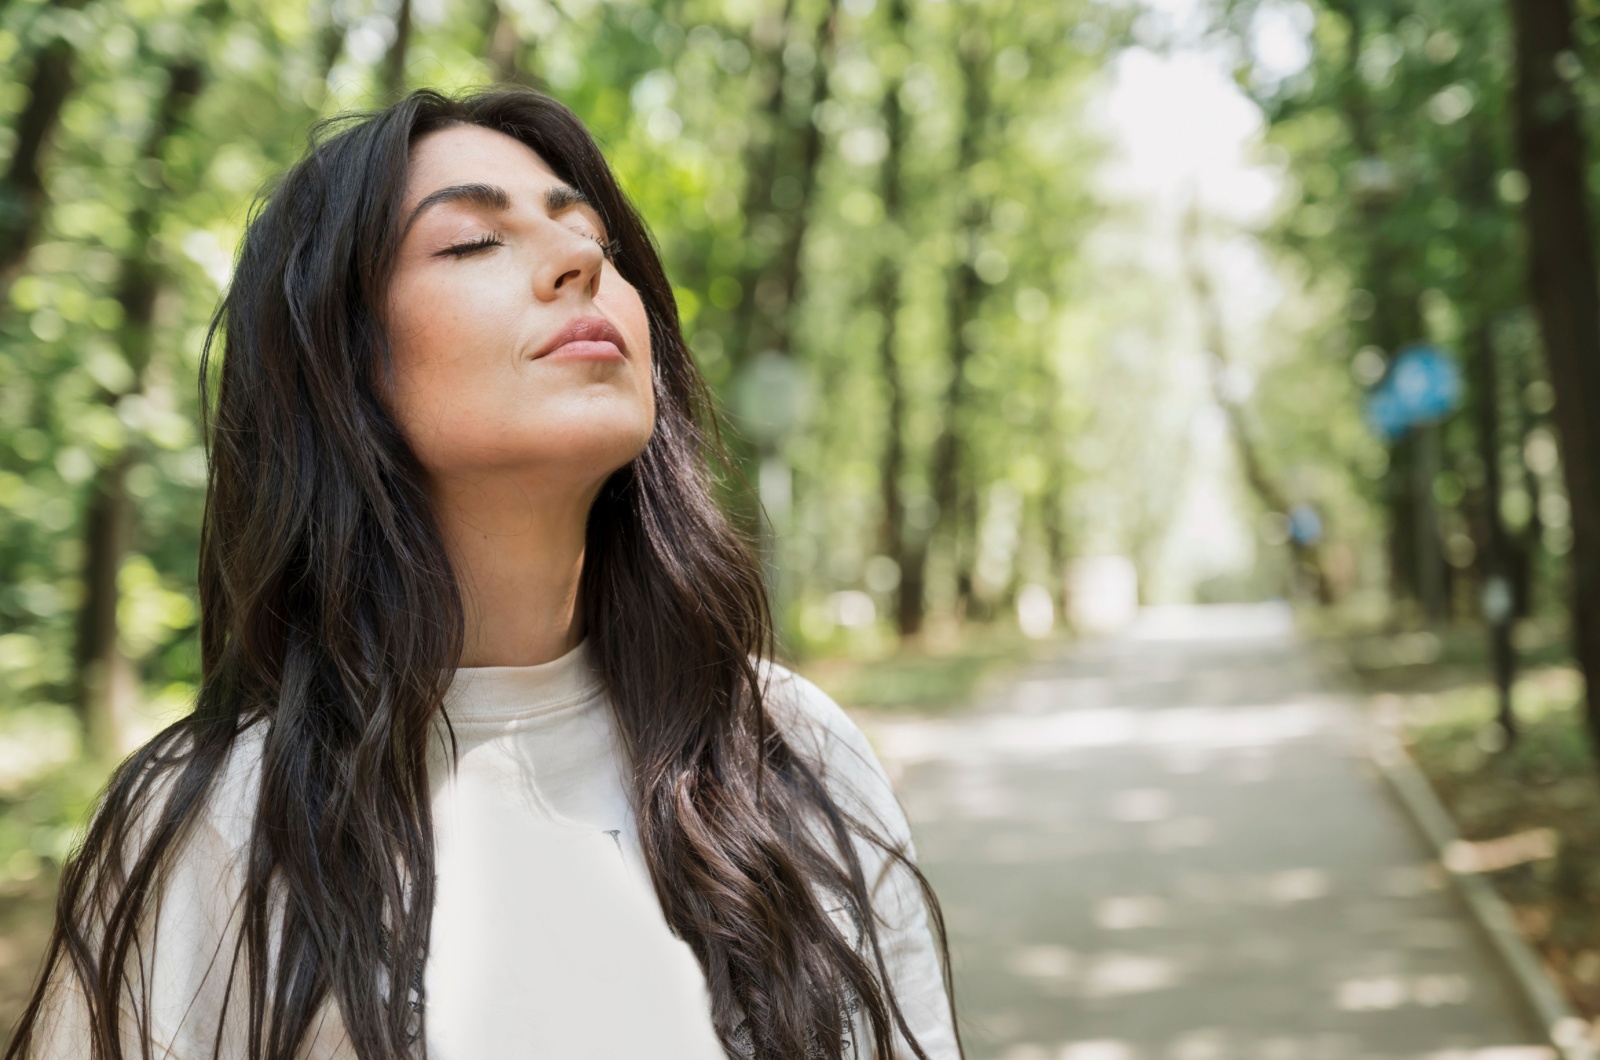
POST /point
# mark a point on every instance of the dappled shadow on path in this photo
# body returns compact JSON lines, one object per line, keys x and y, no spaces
{"x":1166,"y":845}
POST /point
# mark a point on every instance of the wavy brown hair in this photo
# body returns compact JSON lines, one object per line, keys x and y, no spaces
{"x":330,"y":612}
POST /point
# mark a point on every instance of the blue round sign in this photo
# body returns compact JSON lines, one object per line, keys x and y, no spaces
{"x":1385,"y":415}
{"x":1423,"y":385}
{"x":1305,"y":525}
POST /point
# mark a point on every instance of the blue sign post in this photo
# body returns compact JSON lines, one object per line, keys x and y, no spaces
{"x":1421,"y":387}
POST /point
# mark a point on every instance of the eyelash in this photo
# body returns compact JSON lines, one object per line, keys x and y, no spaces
{"x":608,"y":247}
{"x":459,"y":249}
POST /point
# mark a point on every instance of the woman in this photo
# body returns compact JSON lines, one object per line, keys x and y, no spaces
{"x":489,"y":706}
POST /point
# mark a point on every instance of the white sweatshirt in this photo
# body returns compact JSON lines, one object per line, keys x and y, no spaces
{"x":547,"y":939}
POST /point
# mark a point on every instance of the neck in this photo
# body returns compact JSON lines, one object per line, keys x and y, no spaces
{"x":518,"y":554}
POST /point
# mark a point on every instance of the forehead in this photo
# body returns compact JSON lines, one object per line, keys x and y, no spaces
{"x":465,"y":154}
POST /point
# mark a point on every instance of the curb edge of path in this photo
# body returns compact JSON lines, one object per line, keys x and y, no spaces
{"x":1561,"y":1026}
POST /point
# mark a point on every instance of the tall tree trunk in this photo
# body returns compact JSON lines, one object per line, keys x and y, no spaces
{"x":886,"y":296}
{"x":1416,"y":560}
{"x":764,"y":319}
{"x":762,"y":155}
{"x":102,"y":691}
{"x":107,"y":524}
{"x":1525,"y":545}
{"x":787,"y":276}
{"x":1307,"y":554}
{"x":1486,"y":270}
{"x":1530,"y":542}
{"x":394,"y":61}
{"x":1053,"y":520}
{"x":1498,"y":597}
{"x":961,"y":303}
{"x":22,"y":190}
{"x":330,"y":39}
{"x":1565,"y":289}
{"x":502,"y":47}
{"x":782,"y":286}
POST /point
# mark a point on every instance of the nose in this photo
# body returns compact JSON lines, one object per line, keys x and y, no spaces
{"x":570,"y":261}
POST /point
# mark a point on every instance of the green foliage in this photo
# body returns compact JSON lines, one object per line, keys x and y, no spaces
{"x":924,"y":681}
{"x":1403,"y":218}
{"x":144,"y":185}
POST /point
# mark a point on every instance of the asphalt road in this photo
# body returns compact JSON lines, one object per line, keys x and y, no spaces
{"x":1167,"y":846}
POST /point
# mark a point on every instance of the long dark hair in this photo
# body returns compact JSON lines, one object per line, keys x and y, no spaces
{"x":329,"y":612}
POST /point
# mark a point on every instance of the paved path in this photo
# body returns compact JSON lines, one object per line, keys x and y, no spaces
{"x":1166,"y":847}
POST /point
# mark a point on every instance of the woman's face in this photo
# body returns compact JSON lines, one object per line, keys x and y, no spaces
{"x":499,"y":259}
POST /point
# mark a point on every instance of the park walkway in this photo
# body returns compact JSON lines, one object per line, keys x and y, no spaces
{"x":1166,"y":846}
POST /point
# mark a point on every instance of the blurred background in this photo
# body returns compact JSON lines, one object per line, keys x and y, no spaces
{"x":1082,"y":355}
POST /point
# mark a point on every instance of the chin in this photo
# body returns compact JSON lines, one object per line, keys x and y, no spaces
{"x":574,"y":445}
{"x":596,"y":451}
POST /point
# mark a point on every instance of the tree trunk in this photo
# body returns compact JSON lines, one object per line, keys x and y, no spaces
{"x":22,"y":190}
{"x":1415,"y":558}
{"x":1565,"y":289}
{"x":764,"y":320}
{"x":1052,"y":517}
{"x":1530,"y":543}
{"x":1525,"y":545}
{"x":962,"y":302}
{"x":330,"y":38}
{"x":783,"y":284}
{"x":1498,"y":598}
{"x":774,"y":289}
{"x":1307,"y":555}
{"x":503,"y":47}
{"x":394,"y":61}
{"x":105,"y":537}
{"x":1486,"y":272}
{"x":762,"y":155}
{"x":1432,"y":583}
{"x":107,"y":524}
{"x":886,"y":296}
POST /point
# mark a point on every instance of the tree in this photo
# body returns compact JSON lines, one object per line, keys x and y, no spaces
{"x":503,"y":46}
{"x":22,"y":189}
{"x":1261,"y":480}
{"x":906,"y":554}
{"x":1564,"y":286}
{"x":954,"y":499}
{"x":394,"y":60}
{"x":103,"y":672}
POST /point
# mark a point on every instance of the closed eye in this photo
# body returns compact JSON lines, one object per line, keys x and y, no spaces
{"x":482,"y":242}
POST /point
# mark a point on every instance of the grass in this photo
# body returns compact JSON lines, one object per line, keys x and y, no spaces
{"x":46,"y":792}
{"x":1549,"y":778}
{"x":934,"y":676}
{"x":27,"y":912}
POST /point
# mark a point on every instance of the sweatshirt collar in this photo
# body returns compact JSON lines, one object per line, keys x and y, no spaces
{"x":511,"y":693}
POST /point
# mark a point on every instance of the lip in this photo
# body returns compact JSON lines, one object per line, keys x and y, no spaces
{"x":584,"y":337}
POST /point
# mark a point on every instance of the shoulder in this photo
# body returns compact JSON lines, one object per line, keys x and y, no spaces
{"x":177,"y":832}
{"x":832,"y":742}
{"x":230,"y":809}
{"x":217,"y":828}
{"x":813,"y":719}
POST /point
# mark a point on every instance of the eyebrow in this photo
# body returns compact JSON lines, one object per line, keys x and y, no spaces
{"x":557,"y":197}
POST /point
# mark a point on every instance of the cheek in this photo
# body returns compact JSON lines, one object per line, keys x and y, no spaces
{"x":626,"y":309}
{"x":445,"y":326}
{"x":450,"y":374}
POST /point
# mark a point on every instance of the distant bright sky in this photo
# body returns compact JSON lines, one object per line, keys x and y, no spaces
{"x":1182,"y":132}
{"x":1179,"y":126}
{"x":1178,"y":120}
